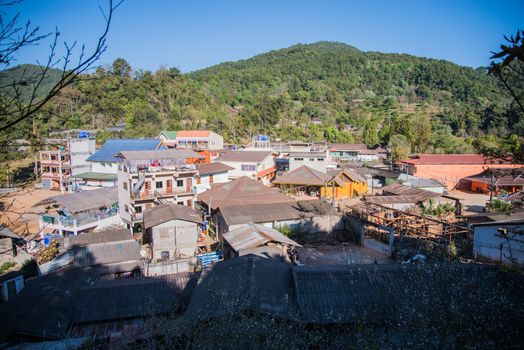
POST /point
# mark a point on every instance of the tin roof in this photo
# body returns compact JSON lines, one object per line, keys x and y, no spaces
{"x":170,"y":135}
{"x":85,"y":200}
{"x":213,"y":168}
{"x":254,"y":235}
{"x":348,"y":146}
{"x":244,"y":156}
{"x":417,"y":194}
{"x":170,"y":211}
{"x":110,"y":148}
{"x":457,"y":159}
{"x":303,"y":175}
{"x":106,"y":253}
{"x":159,"y":154}
{"x":193,"y":133}
{"x":260,"y":213}
{"x":111,"y":235}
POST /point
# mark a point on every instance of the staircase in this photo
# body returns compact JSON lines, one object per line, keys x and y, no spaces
{"x":140,"y":183}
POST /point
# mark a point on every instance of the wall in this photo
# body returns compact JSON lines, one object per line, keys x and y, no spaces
{"x":80,"y":150}
{"x":324,"y":223}
{"x":216,"y":142}
{"x":218,"y":178}
{"x":176,"y":237}
{"x":124,"y":196}
{"x":316,"y":164}
{"x":18,"y":283}
{"x":487,"y":243}
{"x":170,"y":267}
{"x":237,"y":171}
{"x":104,"y":168}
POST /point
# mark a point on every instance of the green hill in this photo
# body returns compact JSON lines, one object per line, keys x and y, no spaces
{"x":26,"y":76}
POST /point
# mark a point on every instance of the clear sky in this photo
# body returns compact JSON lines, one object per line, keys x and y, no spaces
{"x":195,"y":34}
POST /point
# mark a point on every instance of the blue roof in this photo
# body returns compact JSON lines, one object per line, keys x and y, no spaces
{"x":111,"y":147}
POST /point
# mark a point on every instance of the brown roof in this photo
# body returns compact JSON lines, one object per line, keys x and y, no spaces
{"x":87,"y":238}
{"x":241,"y":191}
{"x":417,"y":193}
{"x":213,"y":168}
{"x":106,"y":253}
{"x":391,"y":199}
{"x":456,"y":159}
{"x":193,"y":133}
{"x":245,"y":156}
{"x":260,"y":213}
{"x":254,"y":235}
{"x":166,"y":212}
{"x":303,"y":175}
{"x":348,"y":146}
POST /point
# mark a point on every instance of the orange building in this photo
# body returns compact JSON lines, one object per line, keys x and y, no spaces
{"x":450,"y":168}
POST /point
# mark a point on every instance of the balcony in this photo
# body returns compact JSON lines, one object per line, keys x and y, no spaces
{"x":55,"y":175}
{"x":162,"y":193}
{"x":76,"y":222}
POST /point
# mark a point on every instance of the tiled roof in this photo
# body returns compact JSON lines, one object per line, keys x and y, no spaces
{"x":213,"y":168}
{"x":260,"y":213}
{"x":244,"y":156}
{"x":133,"y":297}
{"x":241,"y":191}
{"x":112,"y":235}
{"x":192,"y":133}
{"x":254,"y":235}
{"x":457,"y":159}
{"x":110,"y":148}
{"x":106,"y":253}
{"x":170,"y":211}
{"x":303,"y":175}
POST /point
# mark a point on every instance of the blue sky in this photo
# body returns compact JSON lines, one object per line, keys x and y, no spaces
{"x":195,"y":34}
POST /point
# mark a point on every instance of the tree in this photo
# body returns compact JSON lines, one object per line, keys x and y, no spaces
{"x":23,"y":97}
{"x":370,"y":134}
{"x":121,"y":68}
{"x":400,"y":147}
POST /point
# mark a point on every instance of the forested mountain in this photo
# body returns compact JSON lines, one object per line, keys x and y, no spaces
{"x":324,"y":90}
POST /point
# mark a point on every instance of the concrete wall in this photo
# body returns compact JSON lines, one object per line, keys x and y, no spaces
{"x":105,"y":168}
{"x":238,"y":172}
{"x":487,"y":243}
{"x":324,"y":223}
{"x":314,"y":164}
{"x":170,"y":267}
{"x":205,"y":184}
{"x":176,"y":237}
{"x":124,"y":196}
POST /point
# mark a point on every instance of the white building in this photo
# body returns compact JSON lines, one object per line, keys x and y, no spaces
{"x":211,"y":173}
{"x":194,"y":139}
{"x":318,"y":160}
{"x":150,"y":178}
{"x":258,"y":165}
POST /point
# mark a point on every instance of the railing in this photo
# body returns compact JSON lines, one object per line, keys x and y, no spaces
{"x":55,"y":175}
{"x":161,"y":193}
{"x":78,"y":220}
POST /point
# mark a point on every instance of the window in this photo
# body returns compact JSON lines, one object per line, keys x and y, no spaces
{"x":180,"y":183}
{"x":159,"y":184}
{"x":299,"y":159}
{"x":180,"y":203}
{"x":311,"y":159}
{"x":248,"y":167}
{"x":138,"y":209}
{"x":125,"y":185}
{"x":164,"y":255}
{"x":126,"y":208}
{"x":320,"y":159}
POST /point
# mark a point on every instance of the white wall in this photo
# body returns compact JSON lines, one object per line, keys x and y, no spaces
{"x":216,"y":141}
{"x":124,"y":196}
{"x":205,"y":184}
{"x":104,"y":168}
{"x":315,"y":164}
{"x":181,"y":238}
{"x":489,"y":244}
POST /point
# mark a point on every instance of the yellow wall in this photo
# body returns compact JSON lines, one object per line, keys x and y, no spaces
{"x":344,"y":192}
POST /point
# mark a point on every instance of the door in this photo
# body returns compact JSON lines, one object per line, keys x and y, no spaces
{"x":169,"y":186}
{"x":210,"y":179}
{"x":147,"y":188}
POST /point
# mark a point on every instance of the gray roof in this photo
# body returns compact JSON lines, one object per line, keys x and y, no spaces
{"x":133,"y":297}
{"x":107,"y":153}
{"x":260,"y":213}
{"x":488,"y":219}
{"x":348,"y":146}
{"x":417,"y":193}
{"x":244,"y":156}
{"x":302,"y":175}
{"x":112,"y":235}
{"x":213,"y":168}
{"x":312,"y":154}
{"x":85,"y":200}
{"x":167,"y":212}
{"x":106,"y":253}
{"x":392,"y":199}
{"x":6,"y":232}
{"x":158,"y":154}
{"x":253,"y":235}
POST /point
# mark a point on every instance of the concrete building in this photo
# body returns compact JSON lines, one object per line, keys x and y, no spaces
{"x":193,"y":139}
{"x":258,"y":165}
{"x":357,"y":152}
{"x":150,"y":178}
{"x":172,"y":231}
{"x":318,"y":160}
{"x":68,"y":157}
{"x":211,"y":173}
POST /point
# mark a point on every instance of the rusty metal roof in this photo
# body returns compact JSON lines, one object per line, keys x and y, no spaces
{"x":418,"y":194}
{"x":170,"y":211}
{"x":260,"y":213}
{"x":254,"y":235}
{"x":111,"y":235}
{"x":159,"y":154}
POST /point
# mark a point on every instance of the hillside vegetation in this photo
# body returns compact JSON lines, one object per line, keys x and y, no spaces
{"x":319,"y":91}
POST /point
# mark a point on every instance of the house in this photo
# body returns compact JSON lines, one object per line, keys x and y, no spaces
{"x":150,"y":178}
{"x":500,"y":180}
{"x":104,"y":161}
{"x":241,"y":191}
{"x":318,"y":160}
{"x":193,"y":139}
{"x":357,"y":152}
{"x":172,"y":230}
{"x":304,"y":180}
{"x":80,"y":212}
{"x":211,"y":173}
{"x":256,"y":239}
{"x":258,"y":165}
{"x":66,"y":158}
{"x":499,"y":237}
{"x":450,"y":168}
{"x":168,"y":138}
{"x":424,"y":184}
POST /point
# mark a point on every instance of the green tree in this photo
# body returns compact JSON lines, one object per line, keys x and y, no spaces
{"x":400,"y":147}
{"x":370,"y":134}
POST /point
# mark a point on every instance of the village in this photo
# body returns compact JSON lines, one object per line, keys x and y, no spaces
{"x":182,"y":215}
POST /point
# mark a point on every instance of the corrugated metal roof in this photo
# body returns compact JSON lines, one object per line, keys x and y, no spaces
{"x":86,"y":200}
{"x":133,"y":297}
{"x":106,"y":253}
{"x":241,"y":191}
{"x":392,"y":199}
{"x":112,"y":235}
{"x":244,"y":156}
{"x":303,"y":175}
{"x":253,"y":235}
{"x":170,"y":211}
{"x":193,"y":134}
{"x":6,"y":232}
{"x":419,"y":194}
{"x":347,"y":146}
{"x":159,"y":154}
{"x":110,"y":148}
{"x":260,"y":213}
{"x":456,"y":159}
{"x":213,"y":168}
{"x":95,"y":176}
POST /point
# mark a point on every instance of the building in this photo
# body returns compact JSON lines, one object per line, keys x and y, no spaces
{"x":259,"y":240}
{"x":258,"y":165}
{"x":66,"y":158}
{"x":450,"y":168}
{"x":192,"y":139}
{"x":211,"y":173}
{"x":306,"y":181}
{"x":172,"y":230}
{"x":150,"y":178}
{"x":424,"y":184}
{"x":357,"y":152}
{"x":499,"y":237}
{"x":318,"y":160}
{"x":80,"y":212}
{"x":506,"y":180}
{"x":105,"y":162}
